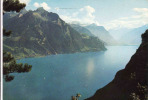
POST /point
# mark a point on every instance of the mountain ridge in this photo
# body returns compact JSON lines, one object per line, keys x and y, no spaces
{"x":81,"y":30}
{"x":102,"y":33}
{"x":133,"y":36}
{"x":40,"y":32}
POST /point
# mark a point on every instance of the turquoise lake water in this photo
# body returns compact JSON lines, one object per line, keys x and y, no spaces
{"x":58,"y":77}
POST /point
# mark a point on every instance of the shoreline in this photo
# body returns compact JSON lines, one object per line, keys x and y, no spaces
{"x":39,"y":56}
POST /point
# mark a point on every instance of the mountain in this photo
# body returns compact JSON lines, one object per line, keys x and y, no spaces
{"x":9,"y":15}
{"x":133,"y":36}
{"x":81,"y":30}
{"x":102,"y":34}
{"x":39,"y":33}
{"x":130,"y":83}
{"x":118,"y":33}
{"x":13,"y":14}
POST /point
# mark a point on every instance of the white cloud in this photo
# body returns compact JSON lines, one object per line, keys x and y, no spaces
{"x":88,"y":9}
{"x":44,"y":5}
{"x":141,"y":10}
{"x":137,"y":20}
{"x":84,"y":15}
{"x":36,"y":4}
{"x":25,"y":1}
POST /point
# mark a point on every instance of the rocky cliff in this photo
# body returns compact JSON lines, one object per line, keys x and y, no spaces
{"x":130,"y":83}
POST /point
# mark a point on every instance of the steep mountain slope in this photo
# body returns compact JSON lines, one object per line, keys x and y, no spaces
{"x":81,"y":29}
{"x":130,"y":83}
{"x":38,"y":33}
{"x":133,"y":36}
{"x":102,"y":34}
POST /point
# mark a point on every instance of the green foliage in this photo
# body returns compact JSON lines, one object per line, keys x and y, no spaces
{"x":10,"y":66}
{"x":9,"y":78}
{"x":9,"y":62}
{"x":7,"y":57}
{"x":6,"y":33}
{"x":12,"y":5}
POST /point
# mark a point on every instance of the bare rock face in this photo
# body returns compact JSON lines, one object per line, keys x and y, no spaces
{"x":130,"y":83}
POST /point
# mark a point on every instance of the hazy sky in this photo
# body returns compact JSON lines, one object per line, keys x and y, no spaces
{"x":112,"y":14}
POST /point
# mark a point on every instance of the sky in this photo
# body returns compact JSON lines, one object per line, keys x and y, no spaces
{"x":112,"y":14}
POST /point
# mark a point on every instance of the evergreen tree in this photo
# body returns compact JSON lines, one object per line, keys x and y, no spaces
{"x":9,"y":62}
{"x":12,"y":5}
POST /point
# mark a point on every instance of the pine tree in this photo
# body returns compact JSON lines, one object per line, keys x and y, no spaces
{"x":12,"y":5}
{"x":9,"y":62}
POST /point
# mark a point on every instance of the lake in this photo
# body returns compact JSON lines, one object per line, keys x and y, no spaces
{"x":58,"y":77}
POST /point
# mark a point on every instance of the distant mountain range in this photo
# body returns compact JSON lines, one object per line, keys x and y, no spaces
{"x":129,"y":36}
{"x":118,"y":33}
{"x":134,"y":36}
{"x":39,"y":33}
{"x":81,"y":29}
{"x":102,"y":33}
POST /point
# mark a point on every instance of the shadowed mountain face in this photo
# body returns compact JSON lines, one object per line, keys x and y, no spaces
{"x":102,"y":34}
{"x":130,"y":83}
{"x":38,"y":33}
